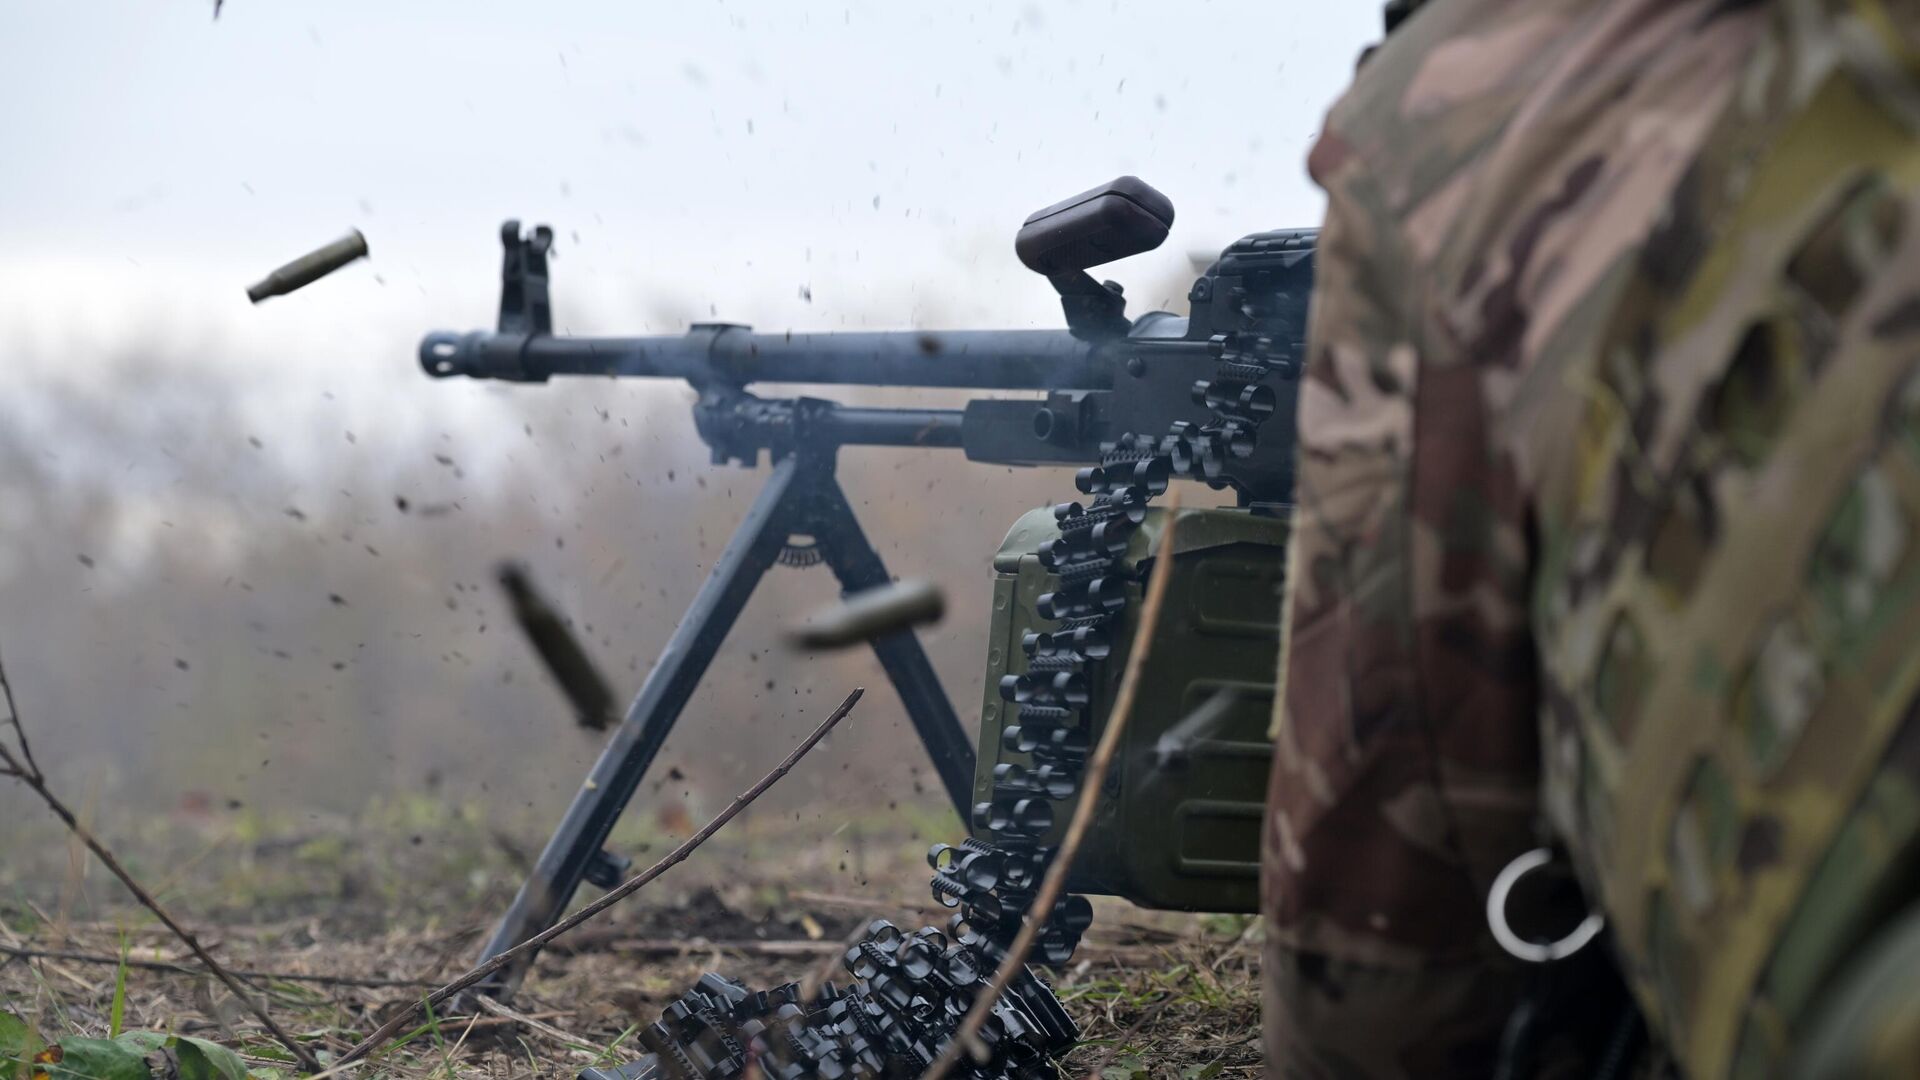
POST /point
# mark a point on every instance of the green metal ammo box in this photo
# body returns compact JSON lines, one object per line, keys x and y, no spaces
{"x":1178,"y":822}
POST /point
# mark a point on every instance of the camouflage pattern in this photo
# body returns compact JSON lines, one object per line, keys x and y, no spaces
{"x":1609,"y":515}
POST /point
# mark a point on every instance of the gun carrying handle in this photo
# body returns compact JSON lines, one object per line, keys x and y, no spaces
{"x":1095,"y":310}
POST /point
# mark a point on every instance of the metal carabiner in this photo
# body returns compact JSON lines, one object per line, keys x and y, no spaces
{"x":1517,"y":947}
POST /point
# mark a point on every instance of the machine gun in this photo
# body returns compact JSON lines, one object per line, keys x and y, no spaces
{"x":1129,"y":403}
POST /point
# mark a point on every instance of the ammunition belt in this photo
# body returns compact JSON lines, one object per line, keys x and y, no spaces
{"x":910,"y":991}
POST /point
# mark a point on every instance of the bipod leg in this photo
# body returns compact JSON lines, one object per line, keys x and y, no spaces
{"x":858,"y":567}
{"x":575,"y":853}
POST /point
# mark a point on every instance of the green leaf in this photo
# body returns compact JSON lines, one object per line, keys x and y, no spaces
{"x":18,"y":1044}
{"x":1203,"y":1072}
{"x":142,"y":1042}
{"x":117,"y":1014}
{"x":203,"y":1060}
{"x":96,"y":1059}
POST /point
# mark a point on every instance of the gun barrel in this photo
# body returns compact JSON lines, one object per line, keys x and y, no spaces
{"x":732,"y":354}
{"x":932,"y":428}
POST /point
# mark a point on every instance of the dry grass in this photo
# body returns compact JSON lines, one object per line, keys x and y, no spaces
{"x":1157,"y":994}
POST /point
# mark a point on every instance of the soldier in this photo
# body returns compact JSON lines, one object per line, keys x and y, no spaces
{"x":1609,"y":535}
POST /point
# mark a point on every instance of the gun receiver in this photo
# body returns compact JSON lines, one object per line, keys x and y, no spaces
{"x":1103,"y":379}
{"x":1097,"y":386}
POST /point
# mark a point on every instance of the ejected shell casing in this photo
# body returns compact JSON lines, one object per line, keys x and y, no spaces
{"x":872,"y":613}
{"x":310,"y":267}
{"x":554,"y":642}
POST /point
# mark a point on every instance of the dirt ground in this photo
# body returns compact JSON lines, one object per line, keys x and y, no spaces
{"x":340,"y":925}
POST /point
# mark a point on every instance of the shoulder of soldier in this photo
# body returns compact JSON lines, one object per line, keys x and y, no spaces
{"x":1436,"y":93}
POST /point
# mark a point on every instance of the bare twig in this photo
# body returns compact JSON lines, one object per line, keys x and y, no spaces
{"x":571,"y":1042}
{"x":182,"y":969}
{"x":27,"y":767}
{"x":632,"y":885}
{"x":28,"y":773}
{"x":1091,"y":782}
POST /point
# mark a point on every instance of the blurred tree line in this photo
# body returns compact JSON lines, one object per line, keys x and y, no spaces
{"x":201,"y":610}
{"x":228,"y":584}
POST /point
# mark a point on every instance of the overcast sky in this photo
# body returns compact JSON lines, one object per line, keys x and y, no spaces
{"x":787,"y":164}
{"x":877,"y":156}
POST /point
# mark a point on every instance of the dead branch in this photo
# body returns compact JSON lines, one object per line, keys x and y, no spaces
{"x":632,"y":885}
{"x":25,"y":767}
{"x":968,"y":1036}
{"x":27,"y":771}
{"x":554,"y":1034}
{"x":181,"y":969}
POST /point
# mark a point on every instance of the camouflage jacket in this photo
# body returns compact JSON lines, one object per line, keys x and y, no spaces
{"x":1608,"y":522}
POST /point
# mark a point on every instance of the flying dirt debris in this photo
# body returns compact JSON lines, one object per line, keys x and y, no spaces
{"x":870,"y":614}
{"x":310,"y":267}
